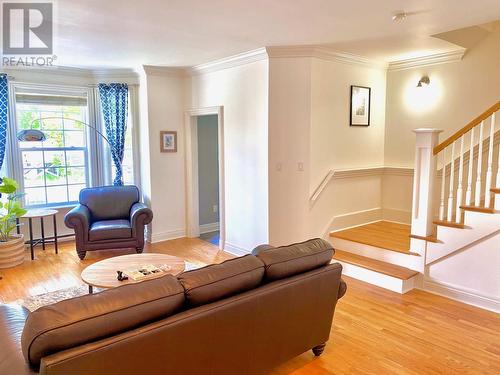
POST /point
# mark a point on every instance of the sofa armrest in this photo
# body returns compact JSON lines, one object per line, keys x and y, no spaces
{"x":140,"y":215}
{"x":342,"y":289}
{"x":12,"y":320}
{"x":79,"y":220}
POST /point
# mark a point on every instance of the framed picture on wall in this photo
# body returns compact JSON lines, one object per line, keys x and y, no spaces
{"x":360,"y":106}
{"x":168,"y":141}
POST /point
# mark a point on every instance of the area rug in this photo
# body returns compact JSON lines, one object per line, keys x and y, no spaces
{"x":35,"y":302}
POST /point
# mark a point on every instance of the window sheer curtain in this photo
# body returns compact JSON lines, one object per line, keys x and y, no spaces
{"x":4,"y":106}
{"x":114,"y":107}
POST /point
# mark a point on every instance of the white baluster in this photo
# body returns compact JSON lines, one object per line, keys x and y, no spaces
{"x":468,"y":194}
{"x":443,"y":182}
{"x":460,"y":191}
{"x":489,"y":171}
{"x":452,"y":182}
{"x":477,"y":195}
{"x":498,"y":167}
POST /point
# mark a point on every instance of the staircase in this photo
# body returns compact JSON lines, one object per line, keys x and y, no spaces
{"x":456,"y":206}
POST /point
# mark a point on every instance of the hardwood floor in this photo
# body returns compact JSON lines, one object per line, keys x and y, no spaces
{"x":383,"y":234}
{"x":375,"y":331}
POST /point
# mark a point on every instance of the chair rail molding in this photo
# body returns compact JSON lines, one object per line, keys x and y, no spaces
{"x":356,"y":172}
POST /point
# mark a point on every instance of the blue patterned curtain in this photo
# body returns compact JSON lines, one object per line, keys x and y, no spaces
{"x":114,"y":106}
{"x":4,"y":106}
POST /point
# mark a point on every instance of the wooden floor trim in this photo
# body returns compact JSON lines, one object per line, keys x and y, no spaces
{"x":426,"y":238}
{"x":385,"y":268}
{"x":484,"y":210}
{"x":450,"y":224}
{"x":381,"y":234}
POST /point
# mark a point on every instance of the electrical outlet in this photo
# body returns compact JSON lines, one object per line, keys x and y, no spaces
{"x":215,"y":208}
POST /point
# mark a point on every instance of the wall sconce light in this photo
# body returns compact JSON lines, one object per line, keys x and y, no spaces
{"x":424,"y":81}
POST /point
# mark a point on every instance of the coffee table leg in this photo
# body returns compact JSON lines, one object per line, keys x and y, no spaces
{"x":55,"y":233}
{"x":43,"y":233}
{"x":91,"y":289}
{"x":18,"y":229}
{"x":30,"y":222}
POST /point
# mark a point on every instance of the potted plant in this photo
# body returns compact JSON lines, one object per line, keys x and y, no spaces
{"x":11,"y":245}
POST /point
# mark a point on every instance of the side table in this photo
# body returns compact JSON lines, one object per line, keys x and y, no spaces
{"x":40,"y":213}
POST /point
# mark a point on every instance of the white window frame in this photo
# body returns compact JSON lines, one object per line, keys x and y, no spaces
{"x":98,"y":158}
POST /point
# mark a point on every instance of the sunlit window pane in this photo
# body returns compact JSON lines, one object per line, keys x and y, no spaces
{"x":57,"y":194}
{"x":54,"y":170}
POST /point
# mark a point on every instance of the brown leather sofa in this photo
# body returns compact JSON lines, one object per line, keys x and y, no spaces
{"x":109,"y":217}
{"x":243,"y":316}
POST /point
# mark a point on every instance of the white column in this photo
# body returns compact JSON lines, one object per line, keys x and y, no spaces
{"x":423,"y":182}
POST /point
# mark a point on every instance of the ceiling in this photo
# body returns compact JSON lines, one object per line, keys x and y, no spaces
{"x":127,"y":33}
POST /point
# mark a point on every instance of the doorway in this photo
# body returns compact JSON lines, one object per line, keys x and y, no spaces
{"x":208,"y":178}
{"x":205,"y":171}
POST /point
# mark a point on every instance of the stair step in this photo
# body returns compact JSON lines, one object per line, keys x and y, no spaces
{"x":382,"y":234}
{"x":432,"y":238}
{"x":388,"y":269}
{"x":485,"y":210}
{"x":450,"y":224}
{"x":495,"y":190}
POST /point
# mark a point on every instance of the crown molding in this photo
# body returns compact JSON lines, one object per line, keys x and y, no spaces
{"x":438,"y":58}
{"x":92,"y":75}
{"x":168,"y":71}
{"x":323,"y":53}
{"x":230,"y":62}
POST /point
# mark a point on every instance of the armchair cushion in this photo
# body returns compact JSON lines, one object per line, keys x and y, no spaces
{"x":109,"y":202}
{"x":109,"y":230}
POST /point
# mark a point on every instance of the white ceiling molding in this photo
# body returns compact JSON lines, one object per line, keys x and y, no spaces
{"x":92,"y":75}
{"x":168,"y":71}
{"x":324,"y":53}
{"x":230,"y":62}
{"x":439,"y":58}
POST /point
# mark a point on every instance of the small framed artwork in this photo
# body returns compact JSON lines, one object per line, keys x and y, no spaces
{"x":168,"y":141}
{"x":360,"y":106}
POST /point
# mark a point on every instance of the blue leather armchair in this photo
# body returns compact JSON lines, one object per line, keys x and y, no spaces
{"x":109,"y":217}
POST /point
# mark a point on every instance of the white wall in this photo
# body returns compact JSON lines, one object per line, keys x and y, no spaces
{"x":165,"y":180}
{"x":458,"y":93}
{"x":335,"y":144}
{"x":208,"y":169}
{"x":243,"y":92}
{"x":289,"y":132}
{"x":471,"y":274}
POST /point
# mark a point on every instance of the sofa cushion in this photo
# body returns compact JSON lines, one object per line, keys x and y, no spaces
{"x":109,"y":202}
{"x":286,"y":261}
{"x":80,"y":320}
{"x":217,"y":281}
{"x":110,"y":230}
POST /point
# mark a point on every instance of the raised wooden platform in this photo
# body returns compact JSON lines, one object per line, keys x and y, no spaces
{"x":383,"y":234}
{"x":375,"y":265}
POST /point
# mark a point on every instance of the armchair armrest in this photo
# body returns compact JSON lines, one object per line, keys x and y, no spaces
{"x":140,"y":215}
{"x":79,"y":220}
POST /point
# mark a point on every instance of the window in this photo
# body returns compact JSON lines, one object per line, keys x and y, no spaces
{"x":55,"y":170}
{"x":52,"y":172}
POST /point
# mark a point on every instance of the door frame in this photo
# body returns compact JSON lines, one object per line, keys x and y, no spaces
{"x":192,"y":188}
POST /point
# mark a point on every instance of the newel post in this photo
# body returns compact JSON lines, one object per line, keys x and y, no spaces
{"x":424,"y":180}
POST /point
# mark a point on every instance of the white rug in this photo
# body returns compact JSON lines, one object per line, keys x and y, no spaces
{"x":35,"y":302}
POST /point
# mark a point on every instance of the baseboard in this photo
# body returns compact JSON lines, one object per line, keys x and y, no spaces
{"x":207,"y":228}
{"x":464,"y":295}
{"x":353,"y":219}
{"x":235,"y":249}
{"x":168,"y":235}
{"x":396,"y":215}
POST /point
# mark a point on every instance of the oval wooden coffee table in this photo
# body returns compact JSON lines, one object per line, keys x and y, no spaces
{"x":103,"y":274}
